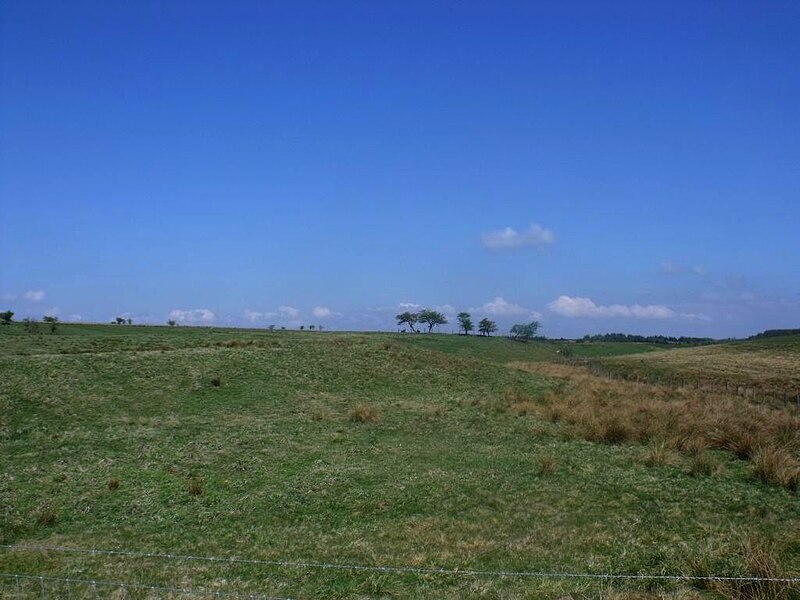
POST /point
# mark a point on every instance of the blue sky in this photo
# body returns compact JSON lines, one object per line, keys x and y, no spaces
{"x":600,"y":166}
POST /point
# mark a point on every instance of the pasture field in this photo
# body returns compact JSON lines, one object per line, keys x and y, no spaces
{"x":379,"y":450}
{"x":770,"y":363}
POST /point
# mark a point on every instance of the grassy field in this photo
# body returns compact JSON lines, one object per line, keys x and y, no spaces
{"x":770,"y":363}
{"x":369,"y":449}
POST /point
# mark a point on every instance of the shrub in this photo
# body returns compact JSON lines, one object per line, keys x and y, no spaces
{"x":362,"y":413}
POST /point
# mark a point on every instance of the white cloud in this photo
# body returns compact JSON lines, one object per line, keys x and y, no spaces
{"x":321,"y":312}
{"x":193,"y":316}
{"x":447,"y":309}
{"x":252,"y":315}
{"x":407,"y":306}
{"x":34,"y":295}
{"x":535,"y":235}
{"x":74,"y":318}
{"x":499,"y":307}
{"x":670,"y":268}
{"x":575,"y":306}
{"x":288,"y":312}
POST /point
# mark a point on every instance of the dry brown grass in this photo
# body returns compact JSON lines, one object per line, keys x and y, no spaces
{"x":688,"y":421}
{"x":547,"y":465}
{"x":777,"y":466}
{"x":363,"y":413}
{"x":704,"y":465}
{"x":45,"y":516}
{"x":195,"y":487}
{"x":760,"y":561}
{"x":518,"y":403}
{"x":775,"y":369}
{"x":658,"y":454}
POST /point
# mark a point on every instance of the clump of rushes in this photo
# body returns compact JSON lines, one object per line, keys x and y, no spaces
{"x":363,"y":413}
{"x":776,"y":466}
{"x":113,"y":484}
{"x":704,"y":465}
{"x":195,"y":487}
{"x":46,"y":516}
{"x":547,"y":465}
{"x":657,"y":454}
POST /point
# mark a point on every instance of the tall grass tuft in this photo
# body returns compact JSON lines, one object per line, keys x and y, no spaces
{"x":657,"y":454}
{"x":777,"y":466}
{"x":362,"y":413}
{"x":547,"y":465}
{"x":760,"y":562}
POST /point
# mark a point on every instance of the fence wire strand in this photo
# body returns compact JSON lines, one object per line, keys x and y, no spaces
{"x":93,"y":583}
{"x":404,"y":569}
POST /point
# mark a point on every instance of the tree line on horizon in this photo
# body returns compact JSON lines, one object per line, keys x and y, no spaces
{"x":649,"y":339}
{"x":486,"y":327}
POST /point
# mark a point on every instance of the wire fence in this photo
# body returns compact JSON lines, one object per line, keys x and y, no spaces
{"x":92,"y":586}
{"x":758,"y":394}
{"x":41,"y":587}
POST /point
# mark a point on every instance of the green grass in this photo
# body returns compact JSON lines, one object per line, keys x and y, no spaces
{"x":446,"y":476}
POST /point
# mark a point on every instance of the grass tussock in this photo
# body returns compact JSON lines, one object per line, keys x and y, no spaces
{"x":547,"y":465}
{"x":363,"y":413}
{"x":216,"y":382}
{"x":658,"y":454}
{"x":687,"y":421}
{"x":704,"y":465}
{"x":45,"y":516}
{"x":113,"y":484}
{"x":777,"y":466}
{"x":195,"y":487}
{"x":760,"y":561}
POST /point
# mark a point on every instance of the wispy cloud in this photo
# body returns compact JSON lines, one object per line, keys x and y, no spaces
{"x":34,"y":295}
{"x":500,"y":307}
{"x":671,"y":268}
{"x":535,"y":235}
{"x":193,"y":316}
{"x":447,"y":309}
{"x":576,"y":306}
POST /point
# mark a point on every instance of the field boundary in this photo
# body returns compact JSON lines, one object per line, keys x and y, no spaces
{"x":726,"y":387}
{"x":402,"y":569}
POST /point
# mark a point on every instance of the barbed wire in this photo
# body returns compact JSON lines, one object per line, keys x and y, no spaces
{"x":140,"y":586}
{"x":404,"y":569}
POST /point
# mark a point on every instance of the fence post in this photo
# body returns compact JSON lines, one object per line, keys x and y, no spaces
{"x":41,"y":584}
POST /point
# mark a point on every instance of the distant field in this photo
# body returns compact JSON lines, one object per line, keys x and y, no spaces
{"x":772,"y":363}
{"x":369,"y":449}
